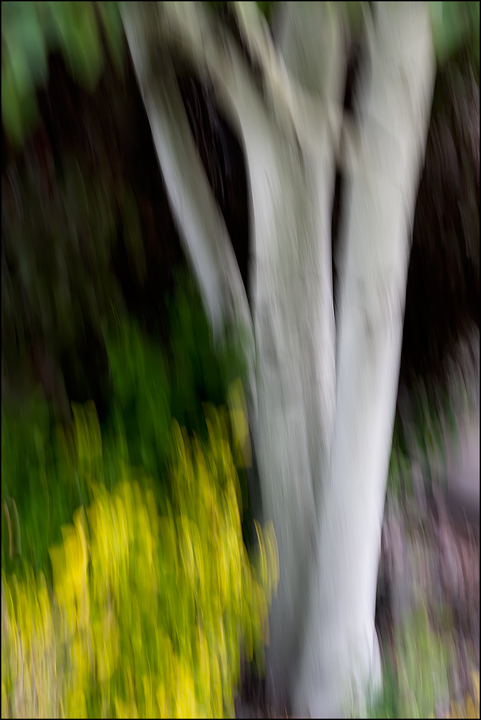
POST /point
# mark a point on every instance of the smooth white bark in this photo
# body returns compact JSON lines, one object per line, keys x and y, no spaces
{"x":312,"y":49}
{"x":340,"y":648}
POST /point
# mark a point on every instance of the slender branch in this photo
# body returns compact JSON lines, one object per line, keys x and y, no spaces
{"x":195,"y":209}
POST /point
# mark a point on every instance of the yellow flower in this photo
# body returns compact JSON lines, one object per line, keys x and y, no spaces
{"x":186,"y":702}
{"x":187,"y":551}
{"x":4,"y":702}
{"x":80,"y":661}
{"x":168,"y":542}
{"x":45,"y":612}
{"x":122,"y":530}
{"x":148,"y":695}
{"x":102,"y":664}
{"x":216,"y":685}
{"x":121,"y":709}
{"x":222,"y":572}
{"x":203,"y":659}
{"x":162,"y":703}
{"x":25,"y":617}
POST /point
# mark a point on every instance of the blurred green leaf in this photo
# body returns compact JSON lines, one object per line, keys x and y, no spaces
{"x":20,"y":71}
{"x":30,"y":30}
{"x":32,"y":41}
{"x":81,"y":44}
{"x":24,"y":64}
{"x":114,"y":33}
{"x":452,"y":24}
{"x":11,"y":111}
{"x":265,"y":8}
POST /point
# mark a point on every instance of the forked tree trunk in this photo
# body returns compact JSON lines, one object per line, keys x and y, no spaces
{"x":322,"y":442}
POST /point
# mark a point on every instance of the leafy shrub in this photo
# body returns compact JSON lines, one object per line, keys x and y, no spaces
{"x":38,"y":484}
{"x":454,"y":23}
{"x":198,"y":371}
{"x":151,"y":387}
{"x":415,"y":673}
{"x":147,"y":393}
{"x":142,"y":397}
{"x":148,"y":608}
{"x":421,"y":668}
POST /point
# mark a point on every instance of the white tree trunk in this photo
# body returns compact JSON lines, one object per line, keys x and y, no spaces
{"x":291,"y":172}
{"x":340,"y":653}
{"x":322,"y":447}
{"x":294,"y":434}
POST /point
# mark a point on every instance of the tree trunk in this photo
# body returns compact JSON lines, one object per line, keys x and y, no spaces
{"x":340,"y":646}
{"x":292,"y":183}
{"x":322,"y":444}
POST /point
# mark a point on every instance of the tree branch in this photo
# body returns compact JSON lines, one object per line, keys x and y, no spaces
{"x":196,"y":212}
{"x":195,"y":33}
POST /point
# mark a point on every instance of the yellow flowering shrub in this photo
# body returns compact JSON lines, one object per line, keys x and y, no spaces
{"x":151,"y":601}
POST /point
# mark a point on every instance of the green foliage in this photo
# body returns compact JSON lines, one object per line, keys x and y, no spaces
{"x":386,"y":705}
{"x":142,"y":397}
{"x":30,"y":31}
{"x":148,"y":390}
{"x":454,"y":23}
{"x":78,"y":38}
{"x":417,"y":684}
{"x":149,"y":599}
{"x":356,"y":13}
{"x":114,"y":34}
{"x":35,"y":483}
{"x":429,"y":426}
{"x":422,"y":669}
{"x":265,"y":8}
{"x":199,"y":372}
{"x":24,"y":65}
{"x":399,"y":483}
